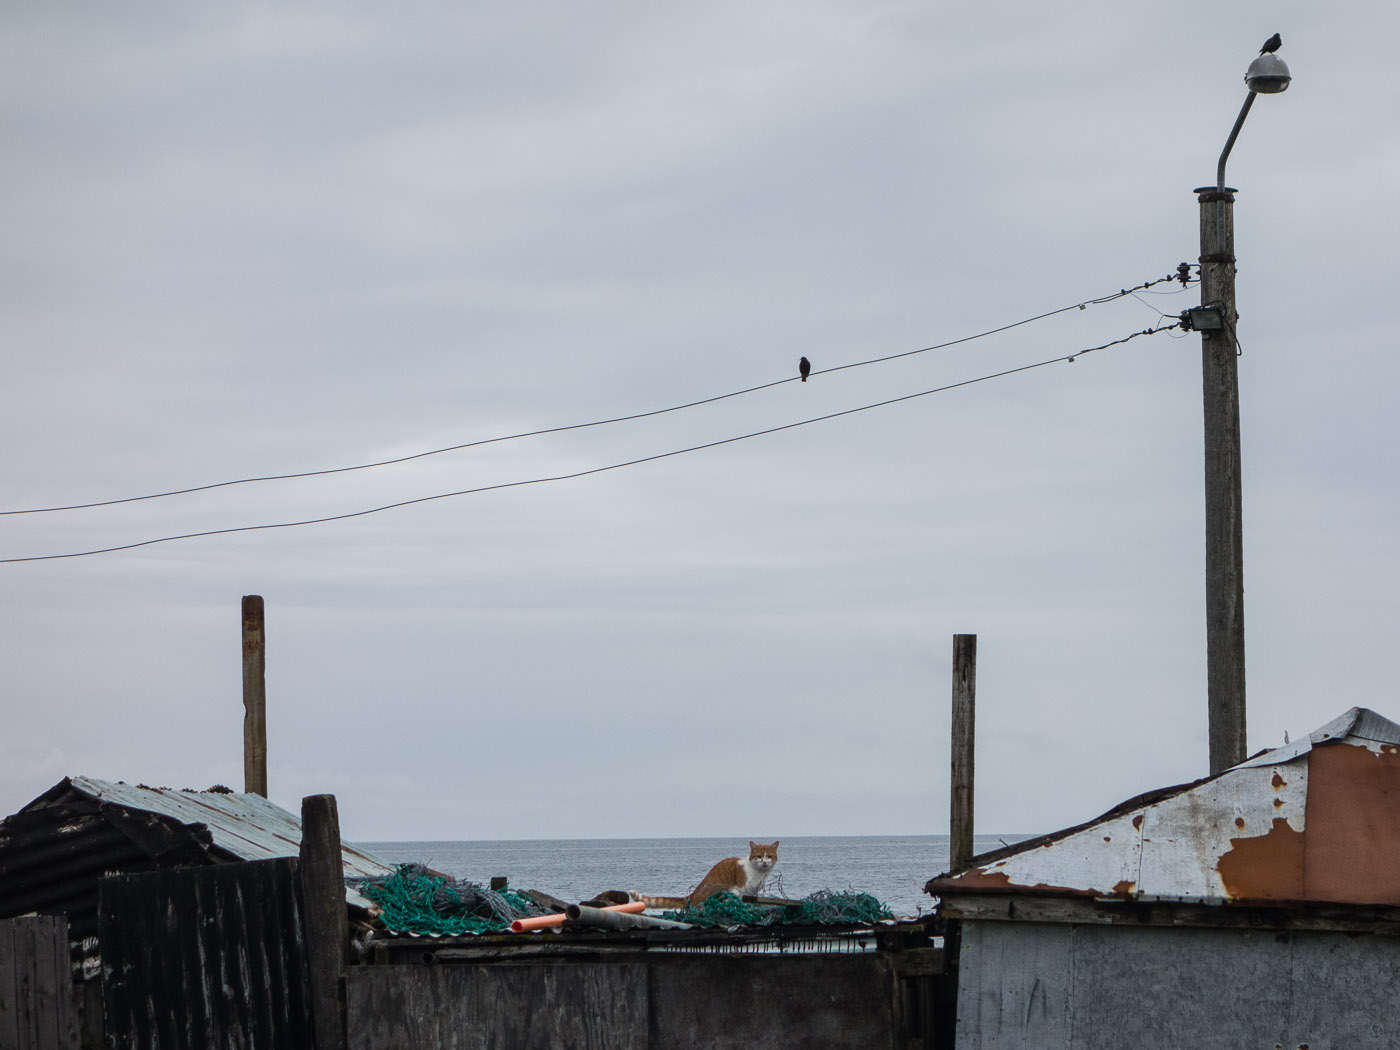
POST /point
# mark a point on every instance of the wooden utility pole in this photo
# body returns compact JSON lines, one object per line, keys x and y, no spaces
{"x":323,"y":917}
{"x":1224,"y":517}
{"x":254,"y":697}
{"x":964,"y":733}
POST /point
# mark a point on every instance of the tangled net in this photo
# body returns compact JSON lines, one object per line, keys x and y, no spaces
{"x":413,"y":900}
{"x":822,"y":908}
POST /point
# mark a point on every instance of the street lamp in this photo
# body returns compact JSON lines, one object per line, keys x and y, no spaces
{"x":1215,"y":320}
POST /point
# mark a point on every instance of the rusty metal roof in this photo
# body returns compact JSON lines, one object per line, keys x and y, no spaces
{"x":239,"y":826}
{"x":1317,"y":820}
{"x":248,"y":827}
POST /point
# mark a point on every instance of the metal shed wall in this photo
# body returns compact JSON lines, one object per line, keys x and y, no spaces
{"x":214,"y":956}
{"x":1032,"y":986}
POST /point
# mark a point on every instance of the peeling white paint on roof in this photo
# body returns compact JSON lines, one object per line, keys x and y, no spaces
{"x":1360,"y":724}
{"x":1173,"y":845}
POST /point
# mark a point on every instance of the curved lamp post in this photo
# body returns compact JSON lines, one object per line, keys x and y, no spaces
{"x":1215,"y":319}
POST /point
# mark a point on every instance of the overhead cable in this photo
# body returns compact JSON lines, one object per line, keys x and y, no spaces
{"x":582,"y":426}
{"x":1070,"y":358}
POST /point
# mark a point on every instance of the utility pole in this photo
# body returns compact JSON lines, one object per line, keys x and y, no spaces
{"x":1216,"y":321}
{"x":1224,"y":513}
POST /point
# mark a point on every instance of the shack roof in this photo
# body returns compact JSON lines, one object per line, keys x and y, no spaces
{"x":83,"y":827}
{"x":1314,"y":821}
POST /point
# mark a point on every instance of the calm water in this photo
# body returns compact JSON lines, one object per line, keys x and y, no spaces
{"x":894,"y":868}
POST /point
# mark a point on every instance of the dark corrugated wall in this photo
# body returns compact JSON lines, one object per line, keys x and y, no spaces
{"x":54,"y":851}
{"x":205,"y":958}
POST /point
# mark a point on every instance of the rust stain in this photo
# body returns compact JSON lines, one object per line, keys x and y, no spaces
{"x":1353,"y":820}
{"x":1278,"y":803}
{"x":1106,"y":838}
{"x":1279,"y":782}
{"x":1265,"y":867}
{"x":981,"y":881}
{"x":977,"y":878}
{"x":1126,"y":888}
{"x":1137,"y":822}
{"x":1239,"y":823}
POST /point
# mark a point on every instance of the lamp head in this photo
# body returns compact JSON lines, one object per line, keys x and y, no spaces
{"x":1268,"y":75}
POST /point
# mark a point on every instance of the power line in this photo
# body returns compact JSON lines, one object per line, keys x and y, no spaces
{"x":582,"y":426}
{"x":1070,"y":358}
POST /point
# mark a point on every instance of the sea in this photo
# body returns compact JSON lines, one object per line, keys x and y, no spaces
{"x":892,"y":868}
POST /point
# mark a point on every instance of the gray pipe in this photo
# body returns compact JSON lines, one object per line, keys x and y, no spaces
{"x":619,"y":920}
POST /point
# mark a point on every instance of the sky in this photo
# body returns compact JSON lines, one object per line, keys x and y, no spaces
{"x":256,"y":239}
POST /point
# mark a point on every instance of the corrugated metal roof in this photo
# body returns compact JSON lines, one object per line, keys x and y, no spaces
{"x":1318,"y":820}
{"x":245,"y":826}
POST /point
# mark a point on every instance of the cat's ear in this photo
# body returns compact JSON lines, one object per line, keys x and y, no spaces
{"x":753,"y":844}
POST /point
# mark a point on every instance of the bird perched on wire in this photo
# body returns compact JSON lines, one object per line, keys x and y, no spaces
{"x":1271,"y":45}
{"x":804,"y":368}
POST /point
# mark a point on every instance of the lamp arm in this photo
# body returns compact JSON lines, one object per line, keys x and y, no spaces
{"x":1230,"y":142}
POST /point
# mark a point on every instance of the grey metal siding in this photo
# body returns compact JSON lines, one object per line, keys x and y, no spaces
{"x":1080,"y":987}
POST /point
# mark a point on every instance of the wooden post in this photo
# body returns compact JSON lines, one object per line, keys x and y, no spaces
{"x":323,"y":917}
{"x":1224,"y":517}
{"x":254,"y":697}
{"x":964,"y":733}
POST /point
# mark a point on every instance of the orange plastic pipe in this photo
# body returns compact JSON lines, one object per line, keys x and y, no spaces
{"x":540,"y":922}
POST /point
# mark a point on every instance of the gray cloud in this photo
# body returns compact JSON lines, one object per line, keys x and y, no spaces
{"x":249,"y":240}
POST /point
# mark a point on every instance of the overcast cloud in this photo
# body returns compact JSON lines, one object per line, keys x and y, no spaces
{"x":253,"y":238}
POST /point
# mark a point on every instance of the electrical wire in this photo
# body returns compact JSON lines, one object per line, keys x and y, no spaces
{"x":582,"y":426}
{"x":1070,"y":358}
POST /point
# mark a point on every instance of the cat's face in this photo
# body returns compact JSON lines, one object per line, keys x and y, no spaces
{"x":763,"y":857}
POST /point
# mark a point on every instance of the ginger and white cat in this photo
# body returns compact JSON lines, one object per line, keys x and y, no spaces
{"x":743,"y":876}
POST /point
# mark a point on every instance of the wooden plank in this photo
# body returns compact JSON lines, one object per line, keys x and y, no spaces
{"x":45,"y":986}
{"x":9,"y":984}
{"x":773,"y":1002}
{"x":537,"y":1006}
{"x":29,"y":1020}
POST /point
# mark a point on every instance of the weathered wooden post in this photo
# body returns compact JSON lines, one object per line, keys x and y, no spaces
{"x":254,"y":697}
{"x":323,"y":917}
{"x":964,"y":732}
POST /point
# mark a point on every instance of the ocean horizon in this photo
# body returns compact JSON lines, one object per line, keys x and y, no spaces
{"x":892,"y":868}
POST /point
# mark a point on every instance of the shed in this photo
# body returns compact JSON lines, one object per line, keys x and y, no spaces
{"x":54,"y":851}
{"x":1258,"y":907}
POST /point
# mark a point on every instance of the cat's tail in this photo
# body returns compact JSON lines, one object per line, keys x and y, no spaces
{"x":659,"y":903}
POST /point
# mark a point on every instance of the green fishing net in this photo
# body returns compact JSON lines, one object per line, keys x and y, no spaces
{"x":414,"y":900}
{"x":822,"y":908}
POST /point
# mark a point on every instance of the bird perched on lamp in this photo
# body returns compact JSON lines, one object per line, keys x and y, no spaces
{"x":804,"y":368}
{"x":1271,"y":45}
